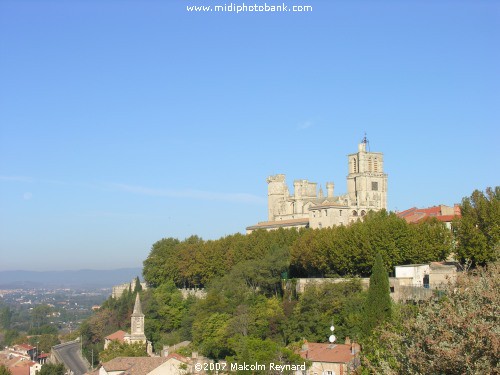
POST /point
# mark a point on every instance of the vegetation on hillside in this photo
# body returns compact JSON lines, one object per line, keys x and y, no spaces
{"x":252,"y":310}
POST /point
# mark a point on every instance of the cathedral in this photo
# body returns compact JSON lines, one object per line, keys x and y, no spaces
{"x":310,"y":208}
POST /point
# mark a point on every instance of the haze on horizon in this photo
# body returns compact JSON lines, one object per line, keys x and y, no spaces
{"x":125,"y":122}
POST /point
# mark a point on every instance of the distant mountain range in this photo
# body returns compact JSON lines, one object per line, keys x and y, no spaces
{"x":73,"y":279}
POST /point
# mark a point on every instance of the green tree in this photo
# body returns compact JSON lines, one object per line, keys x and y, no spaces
{"x":137,"y":285}
{"x":378,"y":305}
{"x":477,"y":232}
{"x":454,"y":334}
{"x":5,"y":317}
{"x":162,"y":264}
{"x":52,"y":369}
{"x":4,"y":370}
{"x":39,"y":315}
{"x":122,"y":349}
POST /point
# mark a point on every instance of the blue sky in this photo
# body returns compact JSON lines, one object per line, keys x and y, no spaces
{"x":123,"y":122}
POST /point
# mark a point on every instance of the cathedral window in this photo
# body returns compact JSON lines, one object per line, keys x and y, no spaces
{"x":326,"y":213}
{"x":370,"y":165}
{"x":363,"y":213}
{"x":374,"y":185}
{"x":354,"y":165}
{"x":340,"y":212}
{"x":354,"y":213}
{"x":376,"y":164}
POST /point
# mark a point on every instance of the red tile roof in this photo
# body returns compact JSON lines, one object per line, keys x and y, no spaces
{"x":414,"y":214}
{"x":331,"y":353}
{"x":134,"y":365}
{"x":20,"y":370}
{"x":178,"y":357}
{"x":118,"y":336}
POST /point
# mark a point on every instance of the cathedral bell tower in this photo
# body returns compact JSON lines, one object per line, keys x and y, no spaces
{"x":366,"y":181}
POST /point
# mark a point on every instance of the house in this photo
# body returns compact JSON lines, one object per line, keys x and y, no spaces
{"x":137,"y":329}
{"x":116,"y":336}
{"x":442,"y":213}
{"x":173,"y":364}
{"x":329,"y":358}
{"x":25,"y":350}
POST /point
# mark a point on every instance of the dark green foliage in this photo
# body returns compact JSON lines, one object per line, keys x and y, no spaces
{"x":378,"y":305}
{"x":320,"y":305}
{"x":455,"y":334}
{"x":4,"y":370}
{"x":44,"y":342}
{"x":120,"y":349}
{"x":478,"y":230}
{"x":10,"y":336}
{"x":255,"y":350}
{"x":39,"y":315}
{"x":5,"y":317}
{"x":343,"y":251}
{"x":52,"y":369}
{"x":137,"y":286}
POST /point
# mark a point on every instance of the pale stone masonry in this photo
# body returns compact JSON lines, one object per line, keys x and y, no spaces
{"x":308,"y":207}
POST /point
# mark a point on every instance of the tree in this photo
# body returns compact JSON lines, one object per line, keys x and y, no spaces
{"x":478,"y":230}
{"x":122,"y":349}
{"x":454,"y":334}
{"x":137,"y":286}
{"x":39,"y":315}
{"x":161,"y":264}
{"x":5,"y":317}
{"x":378,"y":303}
{"x":52,"y":369}
{"x":4,"y":370}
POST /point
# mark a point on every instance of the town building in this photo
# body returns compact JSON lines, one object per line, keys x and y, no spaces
{"x":330,"y":358}
{"x":445,"y":214}
{"x":309,"y":207}
{"x":136,"y":334}
{"x":172,"y":364}
{"x":411,"y":282}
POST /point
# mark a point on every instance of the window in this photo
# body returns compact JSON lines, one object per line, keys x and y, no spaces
{"x":363,"y":213}
{"x":370,"y":165}
{"x":376,"y":164}
{"x":340,"y":212}
{"x":354,"y":213}
{"x":326,"y":213}
{"x":354,"y":164}
{"x":374,"y":185}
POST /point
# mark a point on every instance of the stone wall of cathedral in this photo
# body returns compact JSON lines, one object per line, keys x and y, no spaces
{"x":366,"y":190}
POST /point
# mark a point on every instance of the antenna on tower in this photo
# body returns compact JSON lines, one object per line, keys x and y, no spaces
{"x":366,"y":142}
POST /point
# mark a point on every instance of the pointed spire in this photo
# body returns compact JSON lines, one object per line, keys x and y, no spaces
{"x":137,"y":306}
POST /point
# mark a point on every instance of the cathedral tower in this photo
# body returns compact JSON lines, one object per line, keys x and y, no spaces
{"x":366,"y":181}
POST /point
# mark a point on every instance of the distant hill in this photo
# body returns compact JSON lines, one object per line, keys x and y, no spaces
{"x":73,"y":279}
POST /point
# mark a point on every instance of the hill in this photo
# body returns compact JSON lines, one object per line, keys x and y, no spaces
{"x":73,"y":279}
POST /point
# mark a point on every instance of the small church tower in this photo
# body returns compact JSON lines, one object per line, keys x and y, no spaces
{"x":137,"y":323}
{"x":366,"y":181}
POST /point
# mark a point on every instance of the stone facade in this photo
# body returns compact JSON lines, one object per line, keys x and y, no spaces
{"x":136,"y":324}
{"x":308,"y":207}
{"x":118,"y":290}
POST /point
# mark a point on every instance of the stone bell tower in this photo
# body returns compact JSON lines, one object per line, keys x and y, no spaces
{"x":366,"y":181}
{"x":137,"y":323}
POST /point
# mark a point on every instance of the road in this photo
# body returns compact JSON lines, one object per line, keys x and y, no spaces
{"x":71,"y":355}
